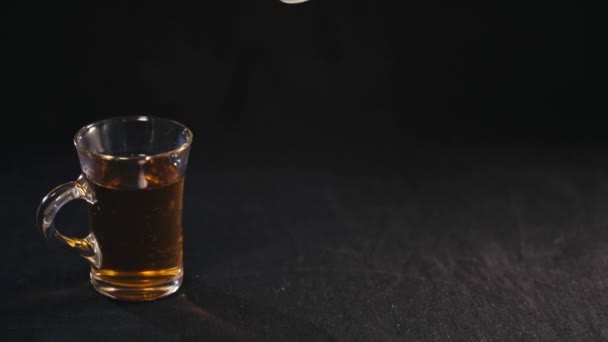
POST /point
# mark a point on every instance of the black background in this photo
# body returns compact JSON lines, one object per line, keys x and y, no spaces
{"x":360,"y":170}
{"x":325,"y":68}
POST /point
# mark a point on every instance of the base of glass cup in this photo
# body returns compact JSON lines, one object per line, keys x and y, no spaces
{"x":136,"y":293}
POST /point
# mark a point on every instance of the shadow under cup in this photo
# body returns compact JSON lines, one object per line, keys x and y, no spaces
{"x":133,"y":179}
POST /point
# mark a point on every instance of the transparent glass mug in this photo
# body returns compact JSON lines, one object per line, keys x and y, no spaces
{"x":133,"y":179}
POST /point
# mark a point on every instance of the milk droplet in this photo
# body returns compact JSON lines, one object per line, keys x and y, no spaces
{"x":293,"y":1}
{"x":142,"y":182}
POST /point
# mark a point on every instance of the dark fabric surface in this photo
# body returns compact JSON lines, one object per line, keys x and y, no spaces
{"x":432,"y":243}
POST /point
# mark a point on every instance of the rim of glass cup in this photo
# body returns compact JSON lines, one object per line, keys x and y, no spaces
{"x":79,"y":134}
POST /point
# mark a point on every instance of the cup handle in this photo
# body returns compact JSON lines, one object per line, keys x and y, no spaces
{"x":50,"y":205}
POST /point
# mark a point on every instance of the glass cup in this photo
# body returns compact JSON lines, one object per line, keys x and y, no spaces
{"x":133,"y":180}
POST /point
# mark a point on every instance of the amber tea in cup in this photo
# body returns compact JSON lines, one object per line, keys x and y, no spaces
{"x":132,"y":177}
